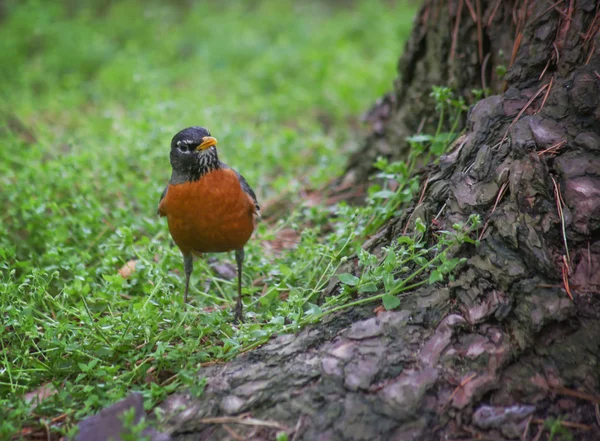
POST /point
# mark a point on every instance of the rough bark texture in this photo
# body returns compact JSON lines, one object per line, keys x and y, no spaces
{"x":503,"y":347}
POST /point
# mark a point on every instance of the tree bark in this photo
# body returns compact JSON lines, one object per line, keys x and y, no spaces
{"x":502,"y":348}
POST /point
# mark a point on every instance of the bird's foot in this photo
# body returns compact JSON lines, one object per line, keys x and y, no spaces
{"x":238,"y":317}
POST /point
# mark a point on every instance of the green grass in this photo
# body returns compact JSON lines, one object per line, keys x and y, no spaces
{"x":90,"y":99}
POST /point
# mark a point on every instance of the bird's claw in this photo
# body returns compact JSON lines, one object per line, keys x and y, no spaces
{"x":238,"y":318}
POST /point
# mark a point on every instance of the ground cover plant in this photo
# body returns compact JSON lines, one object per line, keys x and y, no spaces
{"x":90,"y":288}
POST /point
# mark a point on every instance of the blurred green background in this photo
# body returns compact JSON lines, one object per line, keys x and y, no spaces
{"x":90,"y":95}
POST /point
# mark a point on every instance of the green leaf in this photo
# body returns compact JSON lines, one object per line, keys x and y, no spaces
{"x":348,"y":279}
{"x":390,"y":302}
{"x":419,"y":138}
{"x":313,"y":309}
{"x":258,"y":333}
{"x":435,"y":276}
{"x":281,"y":436}
{"x":420,"y":225}
{"x":383,"y":194}
{"x":367,"y":287}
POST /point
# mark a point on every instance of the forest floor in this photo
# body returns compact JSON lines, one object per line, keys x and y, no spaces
{"x":90,"y":281}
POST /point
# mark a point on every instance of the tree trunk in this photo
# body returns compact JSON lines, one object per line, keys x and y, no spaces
{"x":503,"y":348}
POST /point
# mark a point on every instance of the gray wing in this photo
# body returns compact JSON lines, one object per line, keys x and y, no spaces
{"x":246,"y":187}
{"x":162,"y":196}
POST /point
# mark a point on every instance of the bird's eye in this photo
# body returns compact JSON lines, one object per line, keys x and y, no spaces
{"x":183,"y":148}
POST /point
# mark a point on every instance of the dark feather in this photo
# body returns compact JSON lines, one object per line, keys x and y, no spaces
{"x":162,"y":196}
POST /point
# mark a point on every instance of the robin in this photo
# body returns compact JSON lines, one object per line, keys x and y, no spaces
{"x":210,"y":208}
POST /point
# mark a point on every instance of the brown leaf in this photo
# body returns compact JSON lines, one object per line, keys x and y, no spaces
{"x":378,"y":310}
{"x":40,"y":394}
{"x":285,"y":239}
{"x":128,"y":269}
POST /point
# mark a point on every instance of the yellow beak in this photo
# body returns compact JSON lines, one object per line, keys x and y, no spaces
{"x":207,"y":141}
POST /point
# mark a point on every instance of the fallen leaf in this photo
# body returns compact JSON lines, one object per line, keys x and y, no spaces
{"x":378,"y":310}
{"x":128,"y":269}
{"x":40,"y":394}
{"x":285,"y":239}
{"x":225,"y":270}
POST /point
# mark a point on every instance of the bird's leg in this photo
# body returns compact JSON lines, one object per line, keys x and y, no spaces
{"x":188,"y":266}
{"x":239,"y":258}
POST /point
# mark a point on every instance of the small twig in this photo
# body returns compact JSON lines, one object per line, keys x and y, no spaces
{"x":479,"y":31}
{"x":498,"y":199}
{"x":244,"y":421}
{"x":514,"y":14}
{"x":423,"y":192}
{"x":553,"y":150}
{"x":556,"y":52}
{"x":592,"y":51}
{"x":546,"y":95}
{"x":493,"y":14}
{"x":559,"y":208}
{"x":417,"y":206}
{"x":549,"y":8}
{"x":421,"y":125}
{"x":483,"y":230}
{"x":597,"y":413}
{"x":299,"y":425}
{"x":483,"y":68}
{"x":526,"y":430}
{"x":593,"y":27}
{"x":523,"y":16}
{"x":440,"y":212}
{"x":576,"y":394}
{"x":169,"y":380}
{"x":455,"y":31}
{"x":500,"y":195}
{"x":462,"y":384}
{"x":48,"y":437}
{"x":570,"y":424}
{"x":232,"y":433}
{"x":515,"y":49}
{"x":545,"y":69}
{"x":531,"y":100}
{"x":570,"y":10}
{"x":58,"y":418}
{"x":539,"y":434}
{"x":565,"y":277}
{"x":471,"y":10}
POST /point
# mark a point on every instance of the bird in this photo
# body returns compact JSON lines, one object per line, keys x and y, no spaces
{"x":210,"y":207}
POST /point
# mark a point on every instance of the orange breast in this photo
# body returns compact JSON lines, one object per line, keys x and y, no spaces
{"x":210,"y":215}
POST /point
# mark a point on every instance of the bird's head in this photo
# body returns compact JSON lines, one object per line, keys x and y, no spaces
{"x":193,"y":152}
